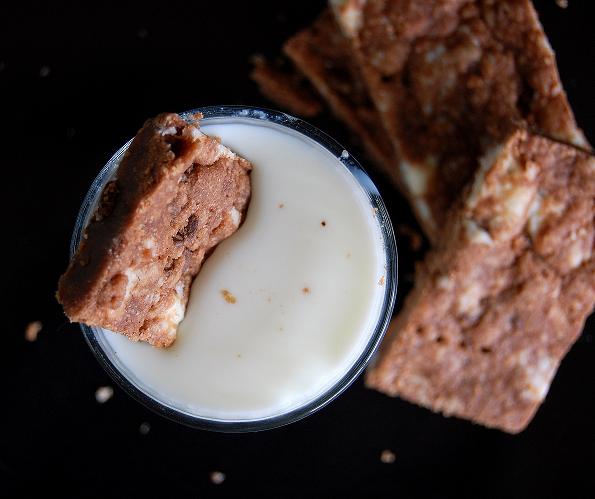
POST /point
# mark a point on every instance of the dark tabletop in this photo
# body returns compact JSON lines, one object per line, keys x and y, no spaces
{"x":77,"y":79}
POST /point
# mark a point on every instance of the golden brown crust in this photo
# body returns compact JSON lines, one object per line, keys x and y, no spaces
{"x":504,"y":294}
{"x":322,"y":53}
{"x":176,"y":195}
{"x":285,"y":88}
{"x":449,"y":78}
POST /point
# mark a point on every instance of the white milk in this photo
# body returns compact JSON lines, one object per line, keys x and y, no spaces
{"x":306,"y":270}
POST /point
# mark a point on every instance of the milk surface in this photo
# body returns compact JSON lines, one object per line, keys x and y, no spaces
{"x":282,"y":309}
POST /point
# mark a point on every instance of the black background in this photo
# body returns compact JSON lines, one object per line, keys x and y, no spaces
{"x":77,"y":79}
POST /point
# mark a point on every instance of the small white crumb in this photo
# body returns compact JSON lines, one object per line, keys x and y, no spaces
{"x":387,"y":456}
{"x":144,"y":428}
{"x":44,"y":71}
{"x":562,"y":3}
{"x":344,"y":154}
{"x":32,"y":330}
{"x":103,"y":394}
{"x":217,"y":477}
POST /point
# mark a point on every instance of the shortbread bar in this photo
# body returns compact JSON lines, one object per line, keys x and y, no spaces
{"x":505,"y":292}
{"x":448,"y":78}
{"x":177,"y":193}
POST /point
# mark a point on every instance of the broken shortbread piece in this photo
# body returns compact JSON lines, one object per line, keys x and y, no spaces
{"x":448,"y":79}
{"x":504,"y":294}
{"x":177,"y":193}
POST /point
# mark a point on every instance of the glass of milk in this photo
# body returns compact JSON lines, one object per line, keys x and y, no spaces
{"x":287,"y":312}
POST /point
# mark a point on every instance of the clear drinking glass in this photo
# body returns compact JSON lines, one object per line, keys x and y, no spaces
{"x":95,"y":336}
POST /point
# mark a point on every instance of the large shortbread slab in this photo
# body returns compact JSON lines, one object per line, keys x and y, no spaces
{"x":505,"y":292}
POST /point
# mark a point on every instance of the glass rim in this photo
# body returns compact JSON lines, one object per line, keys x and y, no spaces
{"x":249,"y":113}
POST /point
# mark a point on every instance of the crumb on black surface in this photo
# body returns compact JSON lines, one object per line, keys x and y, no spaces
{"x":103,"y":394}
{"x":32,"y":330}
{"x":217,"y":477}
{"x":387,"y":456}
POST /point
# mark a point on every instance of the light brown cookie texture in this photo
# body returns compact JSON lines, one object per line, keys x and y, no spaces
{"x":322,"y":53}
{"x":177,"y":194}
{"x":285,"y":87}
{"x":450,"y":79}
{"x":504,"y":294}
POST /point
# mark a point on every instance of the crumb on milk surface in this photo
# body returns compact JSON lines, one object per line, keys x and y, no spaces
{"x":228,"y":296}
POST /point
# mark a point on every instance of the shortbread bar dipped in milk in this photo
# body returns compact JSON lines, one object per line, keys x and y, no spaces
{"x":176,"y":194}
